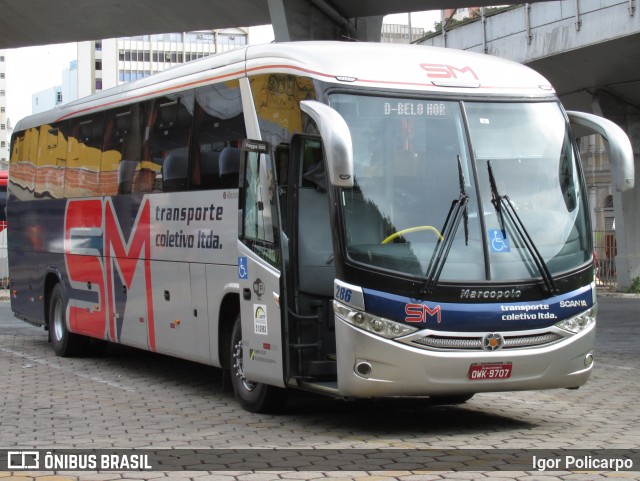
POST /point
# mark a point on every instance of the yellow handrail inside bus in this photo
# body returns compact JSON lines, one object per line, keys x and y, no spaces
{"x":395,"y":235}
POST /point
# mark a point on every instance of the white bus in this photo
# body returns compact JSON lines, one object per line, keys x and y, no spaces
{"x":359,"y":220}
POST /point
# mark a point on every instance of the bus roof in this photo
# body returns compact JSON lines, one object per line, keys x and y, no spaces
{"x":377,"y":65}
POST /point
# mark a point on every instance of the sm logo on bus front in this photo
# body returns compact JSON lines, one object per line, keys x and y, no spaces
{"x":421,"y":313}
{"x":101,"y":262}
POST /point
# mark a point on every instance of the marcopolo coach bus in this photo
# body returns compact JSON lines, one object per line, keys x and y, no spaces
{"x":360,"y":220}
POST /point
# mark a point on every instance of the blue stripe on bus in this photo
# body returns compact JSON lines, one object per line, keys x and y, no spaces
{"x":472,"y":317}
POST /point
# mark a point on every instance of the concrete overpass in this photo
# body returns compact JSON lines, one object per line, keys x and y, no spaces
{"x":590,"y":51}
{"x":42,"y":22}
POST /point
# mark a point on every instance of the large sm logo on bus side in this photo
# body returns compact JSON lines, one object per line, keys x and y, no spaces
{"x":101,"y":262}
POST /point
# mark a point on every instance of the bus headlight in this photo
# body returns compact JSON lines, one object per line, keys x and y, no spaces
{"x":374,"y":324}
{"x":580,"y":322}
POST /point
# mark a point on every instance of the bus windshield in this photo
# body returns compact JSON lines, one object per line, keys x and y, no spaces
{"x":415,"y":159}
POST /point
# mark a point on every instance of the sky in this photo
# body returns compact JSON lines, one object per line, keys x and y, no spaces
{"x":34,"y":69}
{"x":31,"y":70}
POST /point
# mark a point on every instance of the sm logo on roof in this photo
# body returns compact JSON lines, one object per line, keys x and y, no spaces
{"x":442,"y":71}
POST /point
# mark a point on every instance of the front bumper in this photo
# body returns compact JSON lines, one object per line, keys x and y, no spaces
{"x":398,"y":369}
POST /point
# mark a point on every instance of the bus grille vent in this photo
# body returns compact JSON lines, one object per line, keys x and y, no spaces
{"x":451,"y":343}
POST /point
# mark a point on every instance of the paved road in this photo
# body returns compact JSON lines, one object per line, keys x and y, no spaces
{"x":133,"y":399}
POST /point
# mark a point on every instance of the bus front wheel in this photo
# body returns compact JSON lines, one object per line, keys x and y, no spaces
{"x":252,"y":396}
{"x":65,"y":343}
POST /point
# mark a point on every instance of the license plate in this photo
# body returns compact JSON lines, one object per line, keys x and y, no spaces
{"x":490,"y":371}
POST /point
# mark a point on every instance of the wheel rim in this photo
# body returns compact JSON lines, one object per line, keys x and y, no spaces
{"x":58,"y":326}
{"x":239,"y":367}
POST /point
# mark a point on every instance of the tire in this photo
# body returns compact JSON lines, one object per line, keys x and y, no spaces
{"x":65,"y":343}
{"x":253,"y":397}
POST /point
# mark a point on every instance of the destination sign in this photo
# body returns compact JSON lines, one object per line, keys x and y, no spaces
{"x":414,"y":109}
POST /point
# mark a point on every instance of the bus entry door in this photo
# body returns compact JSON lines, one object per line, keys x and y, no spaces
{"x":260,"y":267}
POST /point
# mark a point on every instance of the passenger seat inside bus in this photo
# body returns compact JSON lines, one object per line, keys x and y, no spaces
{"x":175,"y":171}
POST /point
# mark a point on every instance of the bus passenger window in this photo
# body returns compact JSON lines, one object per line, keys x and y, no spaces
{"x":4,"y":179}
{"x":52,"y":157}
{"x":218,"y":127}
{"x":257,"y":202}
{"x":122,"y":151}
{"x":84,"y":156}
{"x":168,"y":144}
{"x":229,"y":167}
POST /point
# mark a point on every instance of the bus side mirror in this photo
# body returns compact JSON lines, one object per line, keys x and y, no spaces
{"x":336,"y":139}
{"x":616,"y":143}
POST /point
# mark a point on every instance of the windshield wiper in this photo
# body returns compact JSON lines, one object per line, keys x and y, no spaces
{"x":496,"y":200}
{"x":504,"y":208}
{"x":457,"y":212}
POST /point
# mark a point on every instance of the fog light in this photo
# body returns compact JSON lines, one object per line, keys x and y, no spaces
{"x":363,"y":368}
{"x":588,"y":360}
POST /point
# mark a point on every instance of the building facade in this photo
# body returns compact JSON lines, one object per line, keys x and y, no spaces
{"x":399,"y":33}
{"x":106,"y":63}
{"x":46,"y":99}
{"x":58,"y":95}
{"x":461,"y":13}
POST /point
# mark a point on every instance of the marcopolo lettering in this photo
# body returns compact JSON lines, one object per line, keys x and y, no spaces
{"x":490,"y":294}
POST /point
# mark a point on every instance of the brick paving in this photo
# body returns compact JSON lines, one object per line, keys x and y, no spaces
{"x":133,"y":399}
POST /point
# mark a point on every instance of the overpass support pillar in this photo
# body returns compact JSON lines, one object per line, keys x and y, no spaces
{"x":294,"y":20}
{"x":626,"y":205}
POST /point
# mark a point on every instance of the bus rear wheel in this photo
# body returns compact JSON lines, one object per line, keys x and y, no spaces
{"x":252,"y":396}
{"x":65,"y":343}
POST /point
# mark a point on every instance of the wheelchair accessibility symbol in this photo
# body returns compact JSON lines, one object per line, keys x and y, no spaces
{"x":243,"y":272}
{"x":499,"y":243}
